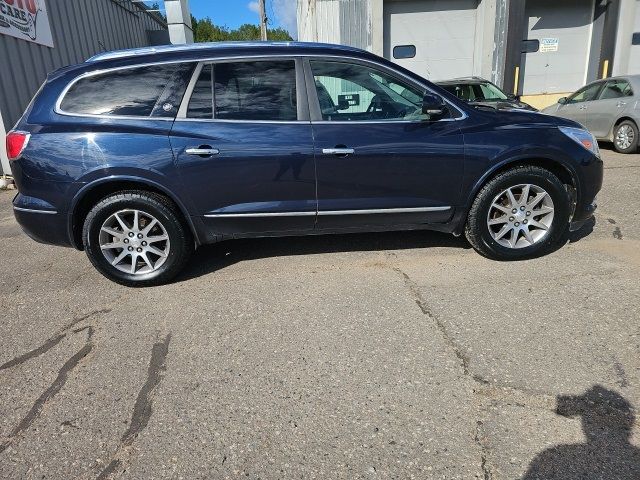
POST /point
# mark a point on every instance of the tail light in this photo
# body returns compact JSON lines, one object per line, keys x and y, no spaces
{"x":16,"y":143}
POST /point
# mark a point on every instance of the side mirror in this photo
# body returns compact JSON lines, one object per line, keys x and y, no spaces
{"x":562,"y":100}
{"x":513,"y":98}
{"x":433,"y":105}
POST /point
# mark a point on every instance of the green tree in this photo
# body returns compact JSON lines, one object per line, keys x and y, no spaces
{"x":204,"y":30}
{"x":156,"y":7}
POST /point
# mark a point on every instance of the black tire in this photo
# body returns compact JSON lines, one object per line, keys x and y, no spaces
{"x":160,"y":207}
{"x":633,"y":147}
{"x":477,"y":229}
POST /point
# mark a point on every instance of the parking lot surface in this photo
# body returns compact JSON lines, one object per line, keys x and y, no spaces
{"x":386,"y":355}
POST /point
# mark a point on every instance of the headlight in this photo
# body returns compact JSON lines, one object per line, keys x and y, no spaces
{"x":583,"y":137}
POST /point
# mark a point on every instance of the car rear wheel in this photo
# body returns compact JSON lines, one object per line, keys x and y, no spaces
{"x":625,"y":137}
{"x":137,"y":238}
{"x":521,"y":213}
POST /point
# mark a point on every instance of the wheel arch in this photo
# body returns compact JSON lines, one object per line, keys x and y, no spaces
{"x":565,"y":173}
{"x":619,"y":121}
{"x":93,"y":192}
{"x":623,"y":118}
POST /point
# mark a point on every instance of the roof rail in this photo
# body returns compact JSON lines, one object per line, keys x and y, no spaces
{"x":132,"y":52}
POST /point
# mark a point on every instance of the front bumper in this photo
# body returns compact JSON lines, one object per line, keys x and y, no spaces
{"x":582,"y":217}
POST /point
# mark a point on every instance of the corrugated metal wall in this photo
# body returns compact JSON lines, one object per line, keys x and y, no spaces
{"x":346,"y":22}
{"x":355,"y":25}
{"x":80,"y":28}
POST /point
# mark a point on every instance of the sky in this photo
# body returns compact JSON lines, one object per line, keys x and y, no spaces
{"x":232,"y":13}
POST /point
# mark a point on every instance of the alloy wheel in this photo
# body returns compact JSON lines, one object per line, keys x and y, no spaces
{"x":624,"y":137}
{"x":134,"y":242}
{"x":520,"y":216}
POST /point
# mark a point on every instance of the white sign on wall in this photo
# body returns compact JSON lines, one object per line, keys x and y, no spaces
{"x":549,"y":45}
{"x":27,"y":20}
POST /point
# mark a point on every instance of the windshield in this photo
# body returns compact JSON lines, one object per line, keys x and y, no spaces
{"x":475,"y":92}
{"x":491,"y":92}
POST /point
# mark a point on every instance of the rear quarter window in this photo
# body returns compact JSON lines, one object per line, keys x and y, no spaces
{"x":154,"y":90}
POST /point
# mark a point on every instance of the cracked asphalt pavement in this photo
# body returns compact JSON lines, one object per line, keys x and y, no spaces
{"x":386,"y":355}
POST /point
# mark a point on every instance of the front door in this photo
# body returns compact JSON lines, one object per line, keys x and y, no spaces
{"x":244,"y":148}
{"x":576,"y":105}
{"x":380,"y":160}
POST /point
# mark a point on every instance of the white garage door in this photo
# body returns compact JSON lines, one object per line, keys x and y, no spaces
{"x":567,"y":25}
{"x":634,"y":56}
{"x":442,"y":31}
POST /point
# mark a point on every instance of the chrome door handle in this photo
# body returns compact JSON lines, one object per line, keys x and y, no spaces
{"x":621,"y":104}
{"x":202,"y":150}
{"x":582,"y":108}
{"x":338,"y":151}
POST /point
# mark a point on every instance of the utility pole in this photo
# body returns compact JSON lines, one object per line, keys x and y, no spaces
{"x":263,"y":20}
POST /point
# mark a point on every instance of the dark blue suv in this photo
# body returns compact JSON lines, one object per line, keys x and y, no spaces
{"x":140,"y":156}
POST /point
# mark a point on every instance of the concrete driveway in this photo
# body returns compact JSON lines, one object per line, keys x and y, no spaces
{"x":397,"y":355}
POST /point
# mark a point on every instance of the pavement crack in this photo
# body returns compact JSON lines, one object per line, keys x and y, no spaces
{"x":36,"y":352}
{"x":493,"y":391}
{"x":483,"y":451}
{"x":426,"y":310}
{"x":623,"y":380}
{"x":53,"y":341}
{"x":142,"y":409}
{"x":49,"y":393}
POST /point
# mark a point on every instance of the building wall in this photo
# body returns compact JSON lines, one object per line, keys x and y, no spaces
{"x":627,"y":56}
{"x":633,"y":57}
{"x":345,"y":22}
{"x":634,"y":53}
{"x":367,"y":24}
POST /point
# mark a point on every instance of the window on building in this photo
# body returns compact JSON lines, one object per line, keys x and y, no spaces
{"x":585,"y":94}
{"x":530,"y":46}
{"x":404,"y":51}
{"x":615,"y":89}
{"x":141,"y":92}
{"x":261,"y":90}
{"x":353,"y":92}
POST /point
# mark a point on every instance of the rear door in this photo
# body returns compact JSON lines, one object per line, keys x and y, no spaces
{"x":608,"y":107}
{"x":243,"y":144}
{"x":380,"y":160}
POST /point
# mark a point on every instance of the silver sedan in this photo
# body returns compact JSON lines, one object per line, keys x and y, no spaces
{"x":608,"y":108}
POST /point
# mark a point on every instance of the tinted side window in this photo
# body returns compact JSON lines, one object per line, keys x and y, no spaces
{"x":129,"y":92}
{"x":201,"y":101}
{"x":615,"y":89}
{"x":353,"y":92}
{"x":263,"y":90}
{"x":585,"y":94}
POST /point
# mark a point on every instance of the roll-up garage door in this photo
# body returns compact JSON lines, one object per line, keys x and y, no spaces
{"x":442,"y":32}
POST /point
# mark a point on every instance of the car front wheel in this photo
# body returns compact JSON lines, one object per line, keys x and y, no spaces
{"x":136,"y":238}
{"x":521,"y":213}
